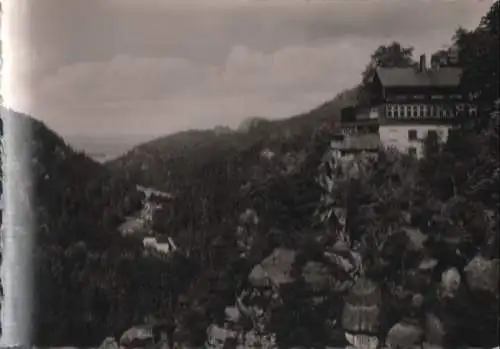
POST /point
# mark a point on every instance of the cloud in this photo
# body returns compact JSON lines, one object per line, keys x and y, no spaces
{"x":172,"y":93}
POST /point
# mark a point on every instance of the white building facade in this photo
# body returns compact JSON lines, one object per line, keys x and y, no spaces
{"x":414,"y":102}
{"x":409,"y":138}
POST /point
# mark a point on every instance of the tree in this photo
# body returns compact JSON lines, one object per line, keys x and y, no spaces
{"x":392,"y":55}
{"x":478,"y":55}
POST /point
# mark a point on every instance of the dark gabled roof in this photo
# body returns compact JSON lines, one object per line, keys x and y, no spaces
{"x":409,"y":77}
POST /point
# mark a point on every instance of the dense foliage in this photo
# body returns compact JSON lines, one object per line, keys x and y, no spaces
{"x":479,"y":54}
{"x":73,"y":202}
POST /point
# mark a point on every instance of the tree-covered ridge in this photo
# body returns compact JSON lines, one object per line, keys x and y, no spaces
{"x":479,"y":53}
{"x":70,"y":198}
{"x":73,"y":197}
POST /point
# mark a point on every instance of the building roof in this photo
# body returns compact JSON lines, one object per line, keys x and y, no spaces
{"x":411,"y":77}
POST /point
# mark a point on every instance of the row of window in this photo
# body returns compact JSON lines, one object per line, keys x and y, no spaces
{"x":416,"y":111}
{"x":404,"y":97}
{"x":423,"y":111}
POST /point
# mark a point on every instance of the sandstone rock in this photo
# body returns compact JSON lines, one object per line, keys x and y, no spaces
{"x":427,"y":264}
{"x":342,"y":262}
{"x":481,"y":274}
{"x":139,"y":336}
{"x":249,"y":216}
{"x":273,"y":270}
{"x":405,"y":334}
{"x":450,"y":282}
{"x":232,"y":314}
{"x":360,"y":341}
{"x":109,"y":343}
{"x":417,"y":301}
{"x":340,"y":247}
{"x":361,"y":310}
{"x":217,"y":336}
{"x":252,"y":339}
{"x":416,"y":238}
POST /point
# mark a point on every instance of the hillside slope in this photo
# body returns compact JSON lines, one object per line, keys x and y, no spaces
{"x":173,"y":161}
{"x":72,"y":200}
{"x":215,"y":175}
{"x":74,"y":197}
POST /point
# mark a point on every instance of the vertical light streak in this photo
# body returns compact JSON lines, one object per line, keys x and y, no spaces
{"x":17,"y":221}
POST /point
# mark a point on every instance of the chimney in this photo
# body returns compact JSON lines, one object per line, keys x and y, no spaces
{"x":422,"y":65}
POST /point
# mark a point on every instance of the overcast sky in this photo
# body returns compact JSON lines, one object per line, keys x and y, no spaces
{"x":99,"y":67}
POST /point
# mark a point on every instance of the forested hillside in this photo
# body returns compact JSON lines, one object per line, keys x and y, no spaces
{"x":72,"y":199}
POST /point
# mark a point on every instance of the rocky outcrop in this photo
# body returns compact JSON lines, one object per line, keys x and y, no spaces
{"x":482,"y":274}
{"x":361,"y":314}
{"x":156,"y":334}
{"x":276,"y":269}
{"x":109,"y":343}
{"x":450,"y":283}
{"x":137,"y":337}
{"x":218,"y":336}
{"x":405,"y":334}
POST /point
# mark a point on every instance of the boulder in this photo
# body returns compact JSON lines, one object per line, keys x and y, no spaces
{"x":217,"y":336}
{"x":427,"y":264}
{"x":341,"y":247}
{"x":137,"y":337}
{"x":362,"y":341}
{"x":417,"y":301}
{"x":416,"y":238}
{"x":481,"y":274}
{"x":109,"y":343}
{"x":405,"y":334}
{"x":342,"y":262}
{"x":249,"y":216}
{"x":232,"y":314}
{"x":274,"y":270}
{"x":450,"y":282}
{"x":361,"y":312}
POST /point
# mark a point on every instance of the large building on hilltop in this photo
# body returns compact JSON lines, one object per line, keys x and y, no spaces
{"x":409,"y":103}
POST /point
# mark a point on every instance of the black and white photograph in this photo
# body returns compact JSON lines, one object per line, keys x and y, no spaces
{"x":250,"y":174}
